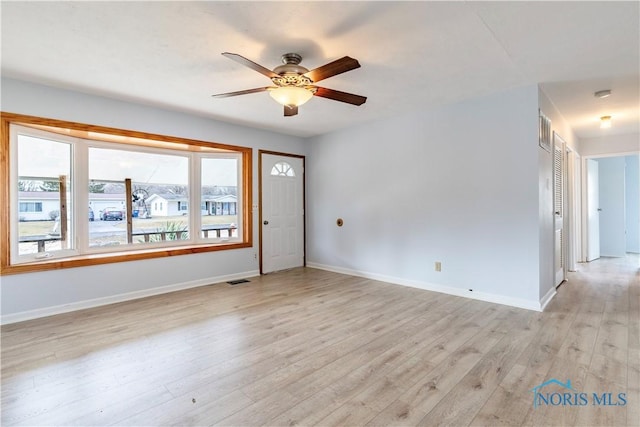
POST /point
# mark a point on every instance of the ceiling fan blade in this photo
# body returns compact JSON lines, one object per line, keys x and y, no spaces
{"x":336,"y":95}
{"x":241,"y":92}
{"x":290,"y":111}
{"x":333,"y":68}
{"x":248,"y":63}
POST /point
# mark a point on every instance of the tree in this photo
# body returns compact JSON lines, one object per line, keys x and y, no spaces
{"x":50,"y":186}
{"x":176,"y":189}
{"x":28,"y":185}
{"x":96,"y":187}
{"x":113,"y":188}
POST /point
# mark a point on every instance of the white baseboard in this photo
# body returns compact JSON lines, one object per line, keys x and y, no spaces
{"x":482,"y":296}
{"x":112,"y":299}
{"x":546,"y":299}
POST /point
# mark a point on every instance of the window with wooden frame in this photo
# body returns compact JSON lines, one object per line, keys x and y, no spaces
{"x":74,"y":195}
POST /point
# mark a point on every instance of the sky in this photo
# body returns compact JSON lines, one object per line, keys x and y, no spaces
{"x":42,"y":158}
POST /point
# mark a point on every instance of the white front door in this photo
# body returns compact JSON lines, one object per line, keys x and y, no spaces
{"x":558,"y":208}
{"x":282,"y":212}
{"x":593,"y":210}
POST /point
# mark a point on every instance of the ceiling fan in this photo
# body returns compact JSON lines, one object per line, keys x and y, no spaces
{"x":294,"y":84}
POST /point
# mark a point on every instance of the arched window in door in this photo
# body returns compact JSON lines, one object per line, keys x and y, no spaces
{"x":282,"y":169}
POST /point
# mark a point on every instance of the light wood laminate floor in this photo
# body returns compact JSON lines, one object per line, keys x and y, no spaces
{"x":309,"y":347}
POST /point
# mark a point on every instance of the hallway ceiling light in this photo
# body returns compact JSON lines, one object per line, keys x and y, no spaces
{"x":602,"y":93}
{"x":605,"y":122}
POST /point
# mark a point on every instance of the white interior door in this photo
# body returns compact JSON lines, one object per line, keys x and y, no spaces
{"x":282,"y":212}
{"x":559,"y":208}
{"x":572,"y":218}
{"x":593,"y":210}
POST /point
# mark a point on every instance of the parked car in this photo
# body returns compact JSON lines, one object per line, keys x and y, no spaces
{"x":91,"y":215}
{"x":111,"y":214}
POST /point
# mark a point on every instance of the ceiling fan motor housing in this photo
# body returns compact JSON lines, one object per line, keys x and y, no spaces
{"x":291,"y":65}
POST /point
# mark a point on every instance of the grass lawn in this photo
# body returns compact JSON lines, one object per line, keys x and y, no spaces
{"x":32,"y":228}
{"x":110,"y":233}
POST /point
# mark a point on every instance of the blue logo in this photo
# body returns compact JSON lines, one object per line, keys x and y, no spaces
{"x":570,"y":397}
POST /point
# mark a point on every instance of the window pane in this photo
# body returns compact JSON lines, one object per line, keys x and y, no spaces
{"x":44,"y":177}
{"x":282,"y":169}
{"x":135,"y":195}
{"x":219,"y":198}
{"x":159,"y":187}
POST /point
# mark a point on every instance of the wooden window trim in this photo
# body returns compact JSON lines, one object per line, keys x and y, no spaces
{"x":130,"y":137}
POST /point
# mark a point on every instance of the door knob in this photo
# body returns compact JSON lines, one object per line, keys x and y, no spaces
{"x":266,"y":222}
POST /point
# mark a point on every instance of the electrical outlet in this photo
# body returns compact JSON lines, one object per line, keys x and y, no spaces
{"x":438,"y":266}
{"x":255,"y":255}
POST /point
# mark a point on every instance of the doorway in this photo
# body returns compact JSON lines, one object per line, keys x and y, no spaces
{"x":559,"y":203}
{"x":612,"y":214}
{"x":282,"y":221}
{"x":593,"y":210}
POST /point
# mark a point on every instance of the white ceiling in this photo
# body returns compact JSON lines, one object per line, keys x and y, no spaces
{"x":414,"y":55}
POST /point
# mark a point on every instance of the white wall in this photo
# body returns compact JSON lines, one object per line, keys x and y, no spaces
{"x":545,"y":182}
{"x":558,"y":123}
{"x":457,"y":185}
{"x":172,"y":209}
{"x":48,"y":206}
{"x":610,"y":144}
{"x":612,"y":214}
{"x":36,"y":294}
{"x":632,"y":203}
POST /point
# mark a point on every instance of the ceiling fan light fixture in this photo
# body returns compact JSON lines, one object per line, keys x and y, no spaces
{"x":291,"y":96}
{"x":605,"y":122}
{"x":294,"y":84}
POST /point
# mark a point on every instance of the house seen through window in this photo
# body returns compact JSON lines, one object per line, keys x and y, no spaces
{"x":72,"y":195}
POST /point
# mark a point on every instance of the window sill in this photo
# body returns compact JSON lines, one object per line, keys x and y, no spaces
{"x":114,"y":257}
